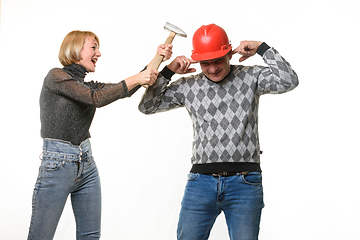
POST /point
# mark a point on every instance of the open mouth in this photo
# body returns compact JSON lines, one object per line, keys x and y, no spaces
{"x":94,"y":60}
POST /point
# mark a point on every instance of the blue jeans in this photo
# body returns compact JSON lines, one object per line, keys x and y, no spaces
{"x":66,"y":169}
{"x":240,"y":197}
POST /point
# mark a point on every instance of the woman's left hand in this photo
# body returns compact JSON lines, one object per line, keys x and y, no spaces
{"x":144,"y":78}
{"x":147,"y":77}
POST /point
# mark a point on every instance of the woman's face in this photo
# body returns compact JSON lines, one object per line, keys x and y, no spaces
{"x":89,"y":54}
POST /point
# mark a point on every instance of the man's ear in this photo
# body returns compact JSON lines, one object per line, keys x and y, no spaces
{"x":230,"y":54}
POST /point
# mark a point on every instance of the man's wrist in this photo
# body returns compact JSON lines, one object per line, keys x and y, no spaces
{"x":167,"y":73}
{"x":262,"y":48}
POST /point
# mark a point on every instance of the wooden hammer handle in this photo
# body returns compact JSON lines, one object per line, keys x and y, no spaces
{"x":155,"y":63}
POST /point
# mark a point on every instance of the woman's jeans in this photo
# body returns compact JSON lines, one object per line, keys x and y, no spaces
{"x":66,"y":169}
{"x":240,"y":197}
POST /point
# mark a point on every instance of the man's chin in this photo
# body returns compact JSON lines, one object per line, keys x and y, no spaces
{"x":216,"y":79}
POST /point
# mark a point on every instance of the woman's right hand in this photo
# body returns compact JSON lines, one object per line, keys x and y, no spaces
{"x":165,"y":51}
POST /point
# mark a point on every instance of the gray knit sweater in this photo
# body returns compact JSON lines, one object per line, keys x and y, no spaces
{"x":224,"y":114}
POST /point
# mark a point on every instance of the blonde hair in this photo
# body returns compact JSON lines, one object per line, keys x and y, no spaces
{"x":72,"y":45}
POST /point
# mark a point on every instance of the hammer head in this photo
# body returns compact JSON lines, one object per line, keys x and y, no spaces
{"x":175,"y":29}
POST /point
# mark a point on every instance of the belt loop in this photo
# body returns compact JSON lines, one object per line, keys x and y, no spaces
{"x":80,"y":153}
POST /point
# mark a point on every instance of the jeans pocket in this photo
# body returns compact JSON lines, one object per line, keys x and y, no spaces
{"x":192,"y":176}
{"x":51,"y":165}
{"x":253,"y":178}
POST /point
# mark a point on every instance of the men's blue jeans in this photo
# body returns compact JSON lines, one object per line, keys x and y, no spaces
{"x":66,"y":169}
{"x":240,"y":197}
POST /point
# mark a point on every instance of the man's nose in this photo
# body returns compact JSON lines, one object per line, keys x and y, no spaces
{"x":212,"y":68}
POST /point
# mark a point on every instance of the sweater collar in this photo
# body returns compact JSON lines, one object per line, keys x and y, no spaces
{"x":77,"y":71}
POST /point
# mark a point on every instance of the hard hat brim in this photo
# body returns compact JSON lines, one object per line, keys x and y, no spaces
{"x":210,"y":55}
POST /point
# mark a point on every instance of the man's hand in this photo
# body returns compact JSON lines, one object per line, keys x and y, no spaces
{"x":247,"y":49}
{"x":181,"y":65}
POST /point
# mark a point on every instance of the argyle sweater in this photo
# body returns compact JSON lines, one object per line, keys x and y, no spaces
{"x":224,"y":114}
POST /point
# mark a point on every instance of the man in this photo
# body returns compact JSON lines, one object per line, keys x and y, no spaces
{"x":222,"y":102}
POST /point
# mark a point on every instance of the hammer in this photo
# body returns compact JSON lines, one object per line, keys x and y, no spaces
{"x":173,"y":31}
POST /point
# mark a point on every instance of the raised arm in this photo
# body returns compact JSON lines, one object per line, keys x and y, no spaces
{"x":278,"y":77}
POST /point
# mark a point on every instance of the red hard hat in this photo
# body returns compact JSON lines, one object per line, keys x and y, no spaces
{"x":210,"y":42}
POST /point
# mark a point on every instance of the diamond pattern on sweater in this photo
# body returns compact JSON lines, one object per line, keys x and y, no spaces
{"x":225,"y":114}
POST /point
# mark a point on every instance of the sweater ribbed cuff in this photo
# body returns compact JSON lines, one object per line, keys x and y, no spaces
{"x":262,"y":49}
{"x":167,"y":73}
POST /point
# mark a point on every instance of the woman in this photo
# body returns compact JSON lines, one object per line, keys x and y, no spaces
{"x":67,"y":107}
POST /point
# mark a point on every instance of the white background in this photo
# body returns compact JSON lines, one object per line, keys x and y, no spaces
{"x":309,"y":136}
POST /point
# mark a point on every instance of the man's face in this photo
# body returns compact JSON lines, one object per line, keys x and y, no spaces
{"x":216,"y":69}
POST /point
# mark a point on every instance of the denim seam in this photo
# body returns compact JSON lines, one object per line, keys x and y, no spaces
{"x":64,"y":157}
